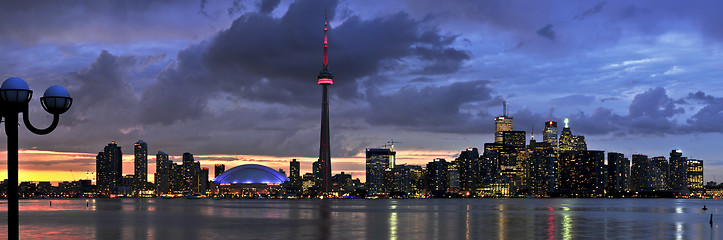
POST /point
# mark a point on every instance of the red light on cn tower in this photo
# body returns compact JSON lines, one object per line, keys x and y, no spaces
{"x":326,"y":81}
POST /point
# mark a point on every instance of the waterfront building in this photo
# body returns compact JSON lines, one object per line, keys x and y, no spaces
{"x":502,"y":123}
{"x":541,"y":158}
{"x":695,"y":175}
{"x":108,"y":168}
{"x":549,"y":134}
{"x":163,"y":173}
{"x":469,"y":169}
{"x":377,"y":161}
{"x":190,"y":174}
{"x":140,"y":165}
{"x":618,"y":173}
{"x":218,"y":169}
{"x":342,"y":183}
{"x":436,"y":176}
{"x":295,"y":181}
{"x":570,"y":142}
{"x":581,"y":172}
{"x":202,"y":180}
{"x":678,"y":172}
{"x":660,"y":176}
{"x":249,"y":180}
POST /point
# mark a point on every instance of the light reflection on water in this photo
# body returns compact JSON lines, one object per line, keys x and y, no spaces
{"x":367,"y":219}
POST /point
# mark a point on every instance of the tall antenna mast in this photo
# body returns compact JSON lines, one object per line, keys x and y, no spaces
{"x":504,"y":108}
{"x":326,"y":44}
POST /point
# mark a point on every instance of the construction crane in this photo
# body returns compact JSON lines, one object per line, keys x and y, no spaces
{"x":72,"y":174}
{"x":390,"y":144}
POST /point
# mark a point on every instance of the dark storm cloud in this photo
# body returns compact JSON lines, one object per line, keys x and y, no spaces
{"x":432,"y":109}
{"x":576,"y":25}
{"x":261,"y":58}
{"x":653,"y":112}
{"x":547,"y":32}
{"x":266,"y":6}
{"x":28,"y":22}
{"x":710,"y":117}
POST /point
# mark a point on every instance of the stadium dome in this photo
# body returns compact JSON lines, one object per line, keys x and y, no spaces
{"x":251,"y":173}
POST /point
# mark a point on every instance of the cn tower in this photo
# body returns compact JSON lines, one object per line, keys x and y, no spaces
{"x":325,"y":79}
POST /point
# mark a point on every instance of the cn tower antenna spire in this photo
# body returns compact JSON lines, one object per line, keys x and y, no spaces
{"x":326,"y":43}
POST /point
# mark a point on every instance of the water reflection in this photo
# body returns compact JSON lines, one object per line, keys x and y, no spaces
{"x":366,"y":219}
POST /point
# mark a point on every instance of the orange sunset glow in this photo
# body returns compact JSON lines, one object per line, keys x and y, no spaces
{"x":54,"y":167}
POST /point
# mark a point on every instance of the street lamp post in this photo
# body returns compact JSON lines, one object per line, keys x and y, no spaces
{"x":14,"y":97}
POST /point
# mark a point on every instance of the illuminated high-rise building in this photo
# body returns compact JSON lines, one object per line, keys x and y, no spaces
{"x":502,"y":123}
{"x":513,"y":149}
{"x":294,"y":169}
{"x":660,"y":176}
{"x":581,"y":172}
{"x":190,"y":174}
{"x":549,"y":134}
{"x":469,"y":169}
{"x":695,"y":175}
{"x":437,"y":175}
{"x":295,"y":176}
{"x":109,"y":167}
{"x":377,"y":161}
{"x":218,"y":169}
{"x":569,"y":142}
{"x":202,"y":180}
{"x":163,"y":173}
{"x":540,"y":169}
{"x":618,"y":173}
{"x":325,"y":79}
{"x":140,"y":165}
{"x":641,"y":173}
{"x":678,"y":172}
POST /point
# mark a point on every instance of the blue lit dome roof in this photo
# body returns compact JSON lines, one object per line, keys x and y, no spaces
{"x":251,"y":173}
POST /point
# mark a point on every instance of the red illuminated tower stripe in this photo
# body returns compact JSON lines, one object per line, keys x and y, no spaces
{"x":325,"y":79}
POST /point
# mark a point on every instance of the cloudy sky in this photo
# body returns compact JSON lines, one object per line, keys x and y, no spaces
{"x":235,"y":81}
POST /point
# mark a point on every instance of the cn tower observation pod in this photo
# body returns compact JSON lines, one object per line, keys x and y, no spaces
{"x":250,"y":173}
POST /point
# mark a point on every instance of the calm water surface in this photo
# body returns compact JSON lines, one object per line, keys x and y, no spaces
{"x":367,"y":219}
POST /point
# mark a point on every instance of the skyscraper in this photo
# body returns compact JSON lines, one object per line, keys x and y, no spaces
{"x":678,"y":172}
{"x":202,"y":179}
{"x":325,"y":79}
{"x":569,"y":142}
{"x":140,"y":165}
{"x":540,"y":170}
{"x":163,"y":173}
{"x":618,"y":172}
{"x":695,"y":175}
{"x":218,"y":169}
{"x":640,"y":173}
{"x":581,"y":172}
{"x":295,"y":176}
{"x":662,"y":171}
{"x":377,"y":161}
{"x":469,"y":169}
{"x":549,"y":135}
{"x":436,"y":175}
{"x":109,"y":167}
{"x":190,"y":175}
{"x":503,"y":123}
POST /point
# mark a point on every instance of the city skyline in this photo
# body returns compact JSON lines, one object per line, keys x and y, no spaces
{"x":409,"y":72}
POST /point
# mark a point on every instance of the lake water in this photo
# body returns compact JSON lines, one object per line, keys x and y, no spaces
{"x":368,"y":219}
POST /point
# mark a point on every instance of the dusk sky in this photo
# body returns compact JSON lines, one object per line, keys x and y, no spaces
{"x":234,"y":82}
